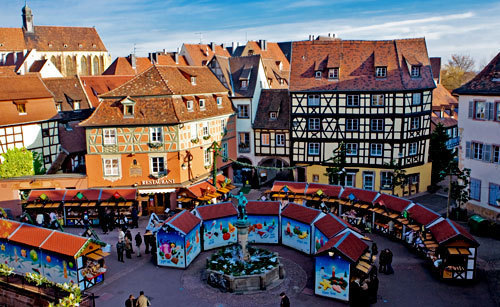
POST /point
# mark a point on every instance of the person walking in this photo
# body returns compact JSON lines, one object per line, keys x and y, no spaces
{"x":285,"y":302}
{"x":130,"y":302}
{"x":390,"y":270}
{"x":128,"y":244}
{"x":142,"y":300}
{"x":382,"y":261}
{"x":138,"y":242}
{"x":120,"y":248}
{"x":373,"y":284}
{"x":135,"y":217}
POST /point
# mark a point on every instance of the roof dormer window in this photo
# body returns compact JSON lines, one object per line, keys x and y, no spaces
{"x":202,"y":103}
{"x":273,"y":115}
{"x":65,"y":45}
{"x":333,"y":73}
{"x":381,"y":72}
{"x":219,"y":101}
{"x":21,"y":108}
{"x":280,"y":64}
{"x":80,"y":45}
{"x":317,"y":74}
{"x":193,"y":80}
{"x":128,"y":107}
{"x":244,"y":84}
{"x":76,"y":105}
{"x":415,"y":71}
{"x":189,"y":105}
{"x":50,"y":45}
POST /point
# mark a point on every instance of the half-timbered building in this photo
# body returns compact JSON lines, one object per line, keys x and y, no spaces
{"x":155,"y":132}
{"x":375,"y":97}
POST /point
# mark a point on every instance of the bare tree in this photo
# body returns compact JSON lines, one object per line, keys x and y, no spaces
{"x":458,"y":70}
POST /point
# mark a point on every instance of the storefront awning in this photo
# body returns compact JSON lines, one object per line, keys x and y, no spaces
{"x":153,"y":191}
{"x":97,"y":255}
{"x":458,"y":251}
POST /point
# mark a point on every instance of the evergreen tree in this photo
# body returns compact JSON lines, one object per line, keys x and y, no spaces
{"x":398,"y":176}
{"x":439,"y":154}
{"x":336,"y":172}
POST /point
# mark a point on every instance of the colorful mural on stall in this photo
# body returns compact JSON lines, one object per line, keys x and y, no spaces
{"x":170,"y":251}
{"x":263,"y":229}
{"x":193,"y":244}
{"x":219,"y":232}
{"x":332,"y":277}
{"x":319,"y":240}
{"x":296,"y":235}
{"x":59,"y":268}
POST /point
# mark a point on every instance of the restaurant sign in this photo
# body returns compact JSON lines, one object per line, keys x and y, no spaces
{"x":157,"y":181}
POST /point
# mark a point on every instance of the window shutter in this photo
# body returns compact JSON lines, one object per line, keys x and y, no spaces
{"x":467,"y":150}
{"x":491,"y":108}
{"x":487,"y":153}
{"x":487,"y":111}
{"x":471,"y":109}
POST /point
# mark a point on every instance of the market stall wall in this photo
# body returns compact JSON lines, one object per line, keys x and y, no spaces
{"x":193,"y":245}
{"x":59,"y":268}
{"x":170,"y":251}
{"x":319,"y":240}
{"x":263,"y":229}
{"x":296,"y":235}
{"x":332,"y":275}
{"x":219,"y":232}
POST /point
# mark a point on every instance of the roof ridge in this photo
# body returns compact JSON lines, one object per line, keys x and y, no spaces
{"x":163,"y":79}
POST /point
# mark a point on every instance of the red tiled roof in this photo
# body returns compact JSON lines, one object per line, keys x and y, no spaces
{"x":272,"y":100}
{"x":184,"y":221}
{"x":328,"y":190}
{"x":98,"y":85}
{"x":347,"y":244}
{"x":330,"y":225}
{"x":393,"y":203}
{"x":294,"y":187}
{"x":127,"y":194}
{"x":202,"y":53}
{"x":52,"y":38}
{"x":54,"y":195}
{"x":361,"y":195}
{"x":446,"y":121}
{"x":66,"y":90}
{"x":72,"y":141}
{"x":300,"y":213}
{"x":169,"y":59}
{"x":422,"y":215}
{"x":436,"y":67}
{"x":23,"y":87}
{"x":12,"y":39}
{"x":447,"y":229}
{"x":90,"y":194}
{"x":8,"y":70}
{"x":120,"y":66}
{"x":64,"y":243}
{"x":216,"y":211}
{"x":273,"y":52}
{"x":7,"y":227}
{"x":357,"y":61}
{"x":30,"y":235}
{"x":263,"y":208}
{"x":201,"y":188}
{"x":441,"y":97}
{"x":487,"y":82}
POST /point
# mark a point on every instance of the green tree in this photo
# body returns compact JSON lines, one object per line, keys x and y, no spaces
{"x":458,"y":189}
{"x":439,"y":154}
{"x":458,"y":70}
{"x":398,"y":176}
{"x":38,"y":164}
{"x":17,"y":162}
{"x":336,"y":171}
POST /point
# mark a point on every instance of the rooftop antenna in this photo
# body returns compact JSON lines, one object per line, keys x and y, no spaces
{"x":201,"y":36}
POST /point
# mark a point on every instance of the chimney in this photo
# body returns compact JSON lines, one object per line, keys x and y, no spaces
{"x":212,"y":46}
{"x":263,"y":45}
{"x":176,"y":57}
{"x":132,"y":60}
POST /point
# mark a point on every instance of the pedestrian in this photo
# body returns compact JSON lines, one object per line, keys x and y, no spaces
{"x":104,"y":223}
{"x":355,"y":296}
{"x":128,"y":244}
{"x":142,"y":300}
{"x":390,"y":270}
{"x":86,"y":220}
{"x":120,"y":246}
{"x":285,"y":302}
{"x":138,"y":242}
{"x":373,"y":283}
{"x":130,"y":302}
{"x":121,"y":235}
{"x":382,"y":261}
{"x":40,"y":219}
{"x":147,"y":239}
{"x":390,"y":224}
{"x":135,"y":217}
{"x":374,"y":251}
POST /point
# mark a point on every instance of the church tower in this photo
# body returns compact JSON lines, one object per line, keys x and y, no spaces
{"x":27,"y":19}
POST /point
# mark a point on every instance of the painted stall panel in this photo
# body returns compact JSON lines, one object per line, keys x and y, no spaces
{"x":24,"y":259}
{"x":319,"y":240}
{"x":263,"y":229}
{"x":170,"y":251}
{"x":332,"y":277}
{"x":296,"y":235}
{"x":219,"y":232}
{"x":59,"y":268}
{"x":193,"y":244}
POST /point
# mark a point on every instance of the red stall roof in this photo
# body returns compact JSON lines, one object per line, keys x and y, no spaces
{"x":447,"y":230}
{"x":393,"y":203}
{"x":263,"y":207}
{"x":361,"y":195}
{"x":216,"y":211}
{"x":30,"y":235}
{"x":347,"y":244}
{"x":294,"y":187}
{"x":202,"y":188}
{"x":64,"y":243}
{"x":183,"y":221}
{"x":328,"y":190}
{"x":127,"y":194}
{"x":330,"y":225}
{"x":300,"y":213}
{"x":53,"y":195}
{"x":422,"y":215}
{"x":90,"y":194}
{"x":7,"y":227}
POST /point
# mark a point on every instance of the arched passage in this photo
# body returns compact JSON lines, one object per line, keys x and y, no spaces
{"x":268,"y":176}
{"x":242,"y":171}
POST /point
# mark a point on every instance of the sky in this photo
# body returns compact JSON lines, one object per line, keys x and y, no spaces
{"x":450,"y":27}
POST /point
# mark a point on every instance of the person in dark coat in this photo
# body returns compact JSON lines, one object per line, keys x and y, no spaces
{"x":285,"y":302}
{"x":138,"y":242}
{"x":120,"y":248}
{"x":128,"y":244}
{"x":390,"y":270}
{"x":130,"y":302}
{"x":373,"y":283}
{"x":382,"y":261}
{"x":135,"y":218}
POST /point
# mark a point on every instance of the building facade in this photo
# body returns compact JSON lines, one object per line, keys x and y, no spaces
{"x":479,"y":124}
{"x":373,"y":96}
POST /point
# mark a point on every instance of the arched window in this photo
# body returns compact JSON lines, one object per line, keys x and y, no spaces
{"x":70,"y":66}
{"x":83,"y":66}
{"x":95,"y":66}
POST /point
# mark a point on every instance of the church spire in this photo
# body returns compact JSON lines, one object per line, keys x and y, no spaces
{"x":27,"y":19}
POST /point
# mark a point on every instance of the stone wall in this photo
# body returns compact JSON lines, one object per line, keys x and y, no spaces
{"x":483,"y":211}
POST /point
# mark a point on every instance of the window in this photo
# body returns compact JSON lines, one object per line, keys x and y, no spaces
{"x":202,"y":103}
{"x":350,"y":179}
{"x":415,"y":71}
{"x":194,"y":132}
{"x":223,"y":126}
{"x":244,"y":84}
{"x":264,"y":139}
{"x":381,"y":72}
{"x":475,"y":189}
{"x":244,"y":142}
{"x":76,"y":106}
{"x":314,"y":124}
{"x":224,"y":152}
{"x":280,"y":140}
{"x":157,"y":165}
{"x":47,"y":159}
{"x":494,"y":194}
{"x":206,"y":129}
{"x":313,"y":149}
{"x":111,"y":167}
{"x":333,"y":73}
{"x":155,"y":135}
{"x":378,"y":100}
{"x":45,"y":132}
{"x":193,"y":80}
{"x":58,"y":106}
{"x":496,"y":154}
{"x":128,"y":110}
{"x":352,"y":124}
{"x":368,"y":180}
{"x":318,"y":74}
{"x":477,"y":151}
{"x":377,"y":125}
{"x":273,"y":115}
{"x":207,"y":157}
{"x":497,"y":116}
{"x":313,"y":100}
{"x":219,"y":101}
{"x":243,"y":111}
{"x":414,"y":123}
{"x":109,"y":136}
{"x":376,"y":150}
{"x":413,"y":149}
{"x":189,"y":105}
{"x":416,"y":99}
{"x":351,"y":149}
{"x":386,"y":180}
{"x":21,"y":108}
{"x":315,"y":178}
{"x":353,"y":100}
{"x":480,"y":109}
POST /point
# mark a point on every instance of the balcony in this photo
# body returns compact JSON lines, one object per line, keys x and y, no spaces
{"x":244,"y":148}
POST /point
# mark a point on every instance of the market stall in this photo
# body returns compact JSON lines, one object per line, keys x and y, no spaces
{"x":119,"y":203}
{"x":297,"y":227}
{"x":337,"y":262}
{"x":80,"y":202}
{"x":325,"y":228}
{"x":264,"y":217}
{"x":456,"y":255}
{"x":178,"y":240}
{"x":218,"y":224}
{"x":44,"y":202}
{"x":354,"y":207}
{"x":322,"y":196}
{"x":285,"y":191}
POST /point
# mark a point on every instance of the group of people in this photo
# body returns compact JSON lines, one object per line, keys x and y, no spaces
{"x":48,"y":220}
{"x":385,"y":262}
{"x":364,"y":292}
{"x":125,"y":243}
{"x":109,"y":220}
{"x":141,"y":301}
